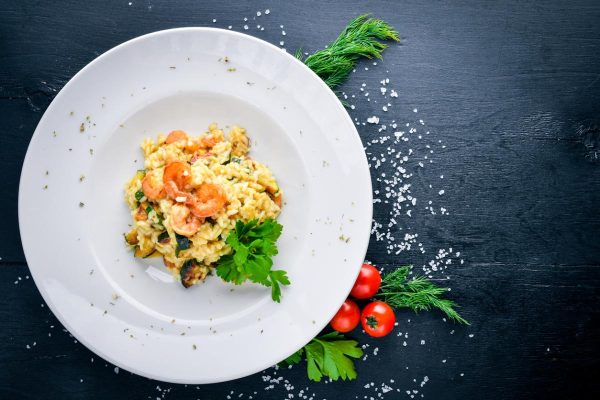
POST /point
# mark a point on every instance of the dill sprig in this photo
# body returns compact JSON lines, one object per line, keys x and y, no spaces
{"x":418,"y":294}
{"x":360,"y":39}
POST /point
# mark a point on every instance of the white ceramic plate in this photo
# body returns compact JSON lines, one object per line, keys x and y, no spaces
{"x":130,"y":311}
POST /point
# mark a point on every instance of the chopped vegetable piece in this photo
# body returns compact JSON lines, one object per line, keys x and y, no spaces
{"x":139,"y":195}
{"x":190,"y":272}
{"x":164,"y":238}
{"x":131,"y":237}
{"x":143,"y":254}
{"x":183,"y":242}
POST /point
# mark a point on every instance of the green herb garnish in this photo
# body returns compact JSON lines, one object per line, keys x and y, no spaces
{"x":360,"y":39}
{"x":418,"y":294}
{"x":139,"y":195}
{"x":253,"y":246}
{"x":329,"y":355}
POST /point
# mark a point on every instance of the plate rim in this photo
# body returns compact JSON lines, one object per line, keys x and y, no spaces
{"x":72,"y":81}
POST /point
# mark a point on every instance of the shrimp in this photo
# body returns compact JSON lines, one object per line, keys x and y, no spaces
{"x":210,"y":198}
{"x":176,"y":136}
{"x":153,"y":188}
{"x":210,"y":140}
{"x":198,"y":156}
{"x":191,"y":145}
{"x":183,"y":221}
{"x":176,"y":179}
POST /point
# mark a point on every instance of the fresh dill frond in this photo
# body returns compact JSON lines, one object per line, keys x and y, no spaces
{"x":418,"y":294}
{"x":298,"y":54}
{"x":360,"y":39}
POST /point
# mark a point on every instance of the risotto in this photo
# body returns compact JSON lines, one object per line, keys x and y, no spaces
{"x":190,"y":195}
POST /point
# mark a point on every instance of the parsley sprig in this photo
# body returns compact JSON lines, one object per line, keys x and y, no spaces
{"x":418,"y":294}
{"x":253,"y":246}
{"x":328,"y":355}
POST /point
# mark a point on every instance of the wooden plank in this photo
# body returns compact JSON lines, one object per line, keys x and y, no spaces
{"x":513,"y":91}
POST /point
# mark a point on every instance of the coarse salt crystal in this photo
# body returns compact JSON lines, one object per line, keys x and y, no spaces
{"x":373,"y":120}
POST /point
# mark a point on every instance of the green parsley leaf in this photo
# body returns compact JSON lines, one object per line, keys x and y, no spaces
{"x":329,"y":355}
{"x":139,"y":195}
{"x":227,"y":270}
{"x":293,"y":359}
{"x":241,"y":256}
{"x":258,"y":269}
{"x":275,"y":278}
{"x":253,"y":246}
{"x":314,"y":361}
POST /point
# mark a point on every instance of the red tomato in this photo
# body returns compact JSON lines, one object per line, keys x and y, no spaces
{"x":347,"y":317}
{"x":367,"y":283}
{"x":378,"y":319}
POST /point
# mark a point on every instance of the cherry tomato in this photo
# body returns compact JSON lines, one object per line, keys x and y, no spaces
{"x":347,"y":317}
{"x":367,"y":283}
{"x":377,"y":319}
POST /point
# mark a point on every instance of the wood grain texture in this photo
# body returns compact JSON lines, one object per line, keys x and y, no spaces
{"x":511,"y":89}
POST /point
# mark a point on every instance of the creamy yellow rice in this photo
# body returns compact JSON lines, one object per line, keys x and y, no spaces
{"x":249,"y":186}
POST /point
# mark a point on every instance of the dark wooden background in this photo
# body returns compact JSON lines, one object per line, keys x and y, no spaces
{"x":513,"y":90}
